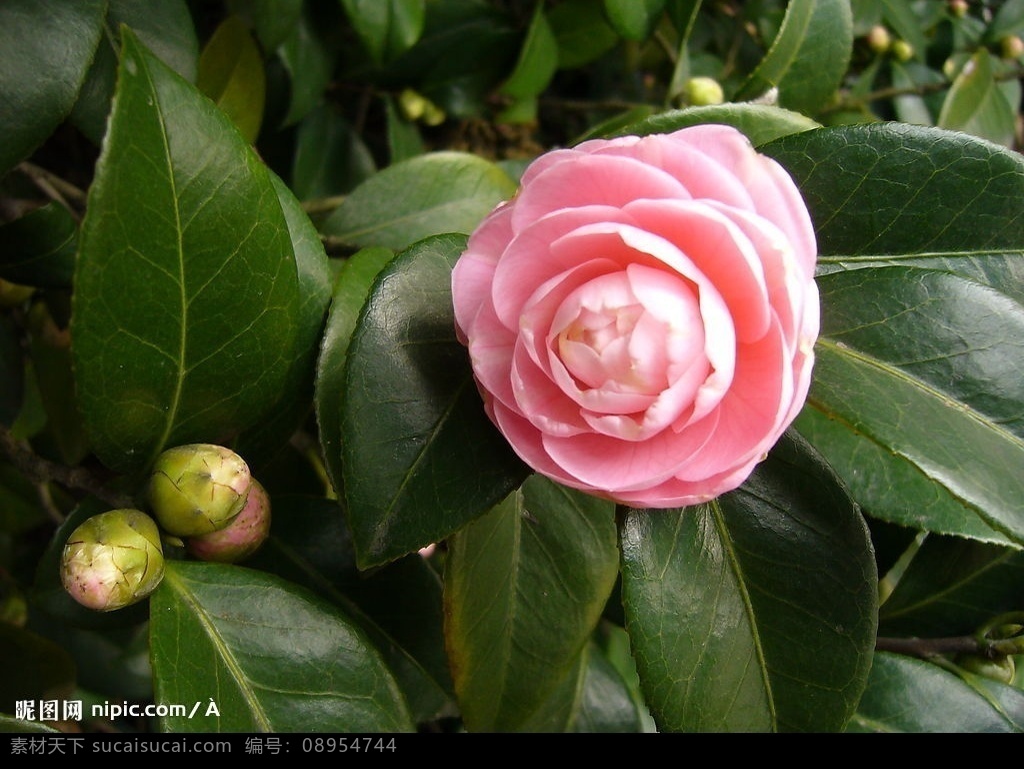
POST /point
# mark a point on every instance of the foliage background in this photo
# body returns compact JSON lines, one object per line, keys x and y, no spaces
{"x":235,"y":221}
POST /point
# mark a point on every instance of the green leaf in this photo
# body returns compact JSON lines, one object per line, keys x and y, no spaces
{"x":404,"y":140}
{"x":330,"y":156}
{"x":524,"y":588}
{"x":165,"y":28}
{"x":910,"y":695}
{"x":264,"y":439}
{"x":310,"y":62}
{"x":231,"y":74}
{"x":33,"y":668}
{"x":952,"y":587}
{"x":582,"y":31}
{"x":38,"y":249}
{"x":606,"y":703}
{"x":976,"y":105}
{"x":760,"y":122}
{"x":927,"y":366}
{"x":757,"y":611}
{"x":809,"y":56}
{"x":271,"y":656}
{"x":901,"y":17}
{"x":634,"y":19}
{"x":11,"y":725}
{"x":206,"y":247}
{"x":386,"y":28}
{"x":398,"y":606}
{"x":537,"y":62}
{"x":352,"y":288}
{"x":1008,"y":20}
{"x":426,"y":195}
{"x":272,"y":20}
{"x":47,"y":45}
{"x":410,"y":415}
{"x":929,"y":199}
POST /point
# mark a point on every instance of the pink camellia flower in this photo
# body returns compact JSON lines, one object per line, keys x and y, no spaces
{"x":641,"y":316}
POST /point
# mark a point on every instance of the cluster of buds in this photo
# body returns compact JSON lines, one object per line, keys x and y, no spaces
{"x":202,"y":494}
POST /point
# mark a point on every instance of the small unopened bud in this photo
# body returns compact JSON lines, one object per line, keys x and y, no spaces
{"x":702,"y":91}
{"x":1011,"y":47}
{"x":198,"y":488}
{"x":879,"y":39}
{"x":14,"y":294}
{"x":242,"y":536}
{"x":113,"y":560}
{"x":958,"y":8}
{"x":902,"y":50}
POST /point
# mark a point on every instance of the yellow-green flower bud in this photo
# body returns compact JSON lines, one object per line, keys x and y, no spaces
{"x":702,"y":91}
{"x":1000,"y":668}
{"x":1011,"y":47}
{"x":242,"y":536}
{"x":902,"y":50}
{"x":112,"y":560}
{"x":879,"y":39}
{"x":198,"y":488}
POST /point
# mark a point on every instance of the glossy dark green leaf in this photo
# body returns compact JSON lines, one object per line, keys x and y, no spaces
{"x":309,"y":61}
{"x":756,"y":611}
{"x":910,"y":695}
{"x":38,"y":249}
{"x":952,"y":587}
{"x":809,"y":56}
{"x":47,"y":47}
{"x":582,"y":31}
{"x":426,"y":195}
{"x":465,"y":52}
{"x":386,"y":28}
{"x":538,"y":59}
{"x":977,"y":106}
{"x":231,"y":74}
{"x":411,"y":416}
{"x":330,"y":156}
{"x":634,"y":19}
{"x":524,"y":588}
{"x":11,"y":725}
{"x":920,"y":198}
{"x":294,"y":398}
{"x":272,"y":656}
{"x":32,"y":668}
{"x":351,"y":290}
{"x":187,"y":297}
{"x":165,"y":28}
{"x":272,"y":20}
{"x":760,"y":122}
{"x":398,"y":606}
{"x":927,"y":366}
{"x":883,"y":191}
{"x":606,"y":705}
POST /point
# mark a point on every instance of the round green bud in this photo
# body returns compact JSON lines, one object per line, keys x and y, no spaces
{"x":113,"y":560}
{"x":879,"y":39}
{"x":243,"y":535}
{"x":902,"y":50}
{"x":702,"y":91}
{"x":958,"y":8}
{"x":198,"y":488}
{"x":1011,"y":47}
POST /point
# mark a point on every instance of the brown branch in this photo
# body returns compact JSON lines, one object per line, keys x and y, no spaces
{"x":926,"y":648}
{"x":42,"y":471}
{"x":55,"y":188}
